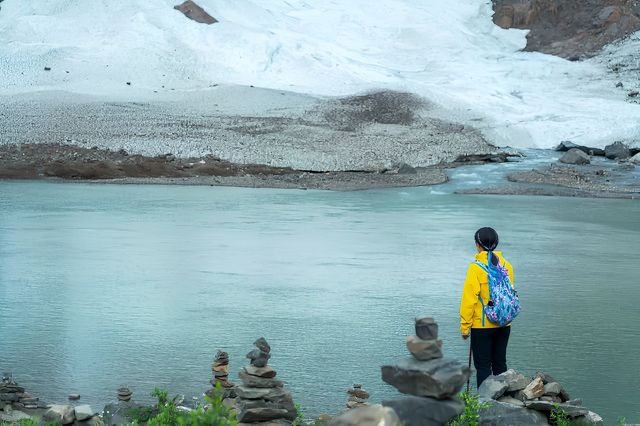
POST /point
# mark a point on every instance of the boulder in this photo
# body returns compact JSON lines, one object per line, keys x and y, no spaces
{"x":575,"y":156}
{"x":246,"y":392}
{"x":83,"y":412}
{"x":418,"y":411}
{"x":367,"y":416}
{"x":635,"y":159}
{"x":258,"y":382}
{"x":617,"y":151}
{"x":260,"y":414}
{"x":553,"y":388}
{"x":195,"y":12}
{"x":424,"y":350}
{"x":545,"y":406}
{"x":260,"y":410}
{"x":515,"y":380}
{"x":493,"y":387}
{"x":535,"y":389}
{"x":266,"y":372}
{"x":405,"y":169}
{"x":63,"y":414}
{"x":9,"y":397}
{"x":426,"y":328}
{"x":590,"y":418}
{"x":568,"y":145}
{"x":510,"y":400}
{"x":440,"y":378}
{"x":501,"y":414}
{"x":93,"y":421}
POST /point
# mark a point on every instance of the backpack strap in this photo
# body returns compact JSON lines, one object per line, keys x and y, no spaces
{"x":486,"y":269}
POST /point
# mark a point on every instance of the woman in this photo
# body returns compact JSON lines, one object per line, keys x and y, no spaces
{"x":488,"y":340}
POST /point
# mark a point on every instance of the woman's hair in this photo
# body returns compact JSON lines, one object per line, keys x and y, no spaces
{"x":487,"y":238}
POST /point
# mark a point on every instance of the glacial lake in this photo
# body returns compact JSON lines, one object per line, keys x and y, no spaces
{"x":103,"y":285}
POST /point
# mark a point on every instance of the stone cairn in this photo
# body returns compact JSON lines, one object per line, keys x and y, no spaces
{"x":261,"y":397}
{"x":431,"y":380}
{"x":512,"y":395}
{"x":357,"y":396}
{"x":220,"y":371}
{"x":15,"y":396}
{"x":124,"y":394}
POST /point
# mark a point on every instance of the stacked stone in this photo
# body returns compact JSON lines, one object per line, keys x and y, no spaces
{"x":15,"y":396}
{"x":519,"y":398}
{"x":357,"y":396}
{"x":220,"y":371}
{"x":261,"y":397}
{"x":432,"y":381}
{"x":124,"y":394}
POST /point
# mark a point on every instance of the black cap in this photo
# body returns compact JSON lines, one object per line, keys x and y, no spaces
{"x":487,"y":238}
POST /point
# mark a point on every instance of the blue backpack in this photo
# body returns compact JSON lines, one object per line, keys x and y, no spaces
{"x":503,"y":306}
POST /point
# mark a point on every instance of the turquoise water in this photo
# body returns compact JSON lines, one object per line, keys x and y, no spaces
{"x":103,"y":285}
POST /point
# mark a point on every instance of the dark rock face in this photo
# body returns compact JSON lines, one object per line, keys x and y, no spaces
{"x":501,"y":414}
{"x":617,"y":151}
{"x":575,"y":156}
{"x":439,"y":378}
{"x":195,"y":12}
{"x":417,"y":411}
{"x":565,"y":146}
{"x":568,"y":28}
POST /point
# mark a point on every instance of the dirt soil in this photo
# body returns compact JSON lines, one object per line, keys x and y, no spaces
{"x":568,"y":28}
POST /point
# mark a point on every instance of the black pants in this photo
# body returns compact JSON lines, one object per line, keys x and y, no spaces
{"x":489,"y":346}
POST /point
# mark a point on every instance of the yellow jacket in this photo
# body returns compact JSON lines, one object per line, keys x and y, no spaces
{"x":477,"y":283}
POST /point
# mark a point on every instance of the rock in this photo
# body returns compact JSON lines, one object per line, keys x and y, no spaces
{"x":358,"y":393}
{"x":74,"y":396}
{"x":575,"y":156}
{"x":493,"y":387}
{"x":617,"y":151}
{"x":63,"y":414}
{"x":418,"y":411}
{"x":258,"y":358}
{"x":424,"y":350}
{"x":633,"y":93}
{"x":635,"y":159}
{"x":13,"y":416}
{"x":439,"y":378}
{"x":93,"y":421}
{"x":426,"y":328}
{"x":405,"y":169}
{"x":550,"y":398}
{"x":510,"y":400}
{"x":263,"y":345}
{"x":83,"y":412}
{"x":261,"y":414}
{"x":568,"y":145}
{"x":515,"y":380}
{"x":535,"y":389}
{"x":119,"y":413}
{"x":266,"y":372}
{"x":553,"y":388}
{"x":258,"y":382}
{"x":576,"y":401}
{"x":259,"y":393}
{"x":367,"y":416}
{"x":195,"y":12}
{"x":590,"y":418}
{"x":501,"y":414}
{"x":545,"y":406}
{"x":9,"y":397}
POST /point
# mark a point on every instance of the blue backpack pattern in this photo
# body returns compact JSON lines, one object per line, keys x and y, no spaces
{"x":503,"y":305}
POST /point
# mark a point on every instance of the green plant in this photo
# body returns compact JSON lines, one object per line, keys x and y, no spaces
{"x":621,"y":421}
{"x":559,"y":417}
{"x":214,"y":413}
{"x":471,"y":414}
{"x":299,"y":420}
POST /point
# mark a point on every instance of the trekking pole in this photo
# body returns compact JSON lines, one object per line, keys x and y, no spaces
{"x":469,"y":378}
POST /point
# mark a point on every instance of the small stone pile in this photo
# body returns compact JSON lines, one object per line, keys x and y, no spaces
{"x":14,"y":395}
{"x":261,"y":397}
{"x":124,"y":394}
{"x":530,"y":401}
{"x":431,"y":380}
{"x":220,"y":371}
{"x":357,"y":396}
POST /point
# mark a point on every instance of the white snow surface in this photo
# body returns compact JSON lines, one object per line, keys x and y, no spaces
{"x":451,"y":53}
